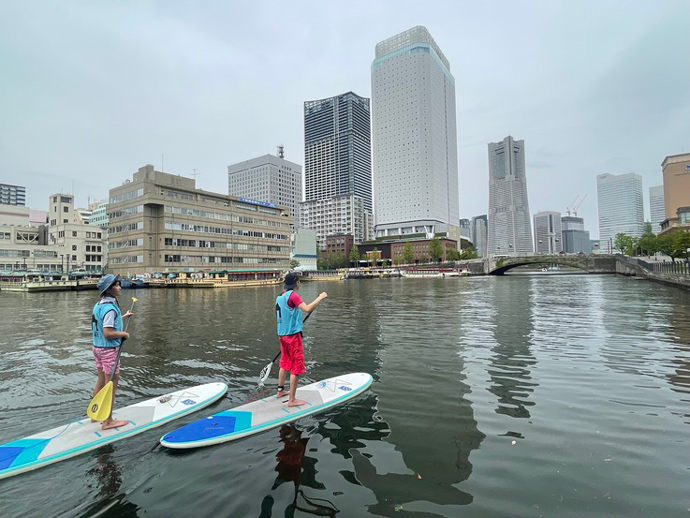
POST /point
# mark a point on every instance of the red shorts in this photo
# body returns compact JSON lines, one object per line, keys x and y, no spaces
{"x":105,"y":359}
{"x":292,"y":354}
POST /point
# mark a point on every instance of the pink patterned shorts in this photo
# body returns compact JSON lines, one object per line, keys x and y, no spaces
{"x":105,"y":359}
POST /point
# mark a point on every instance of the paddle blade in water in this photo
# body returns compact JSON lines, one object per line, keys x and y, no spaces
{"x":101,"y":404}
{"x":263,"y":375}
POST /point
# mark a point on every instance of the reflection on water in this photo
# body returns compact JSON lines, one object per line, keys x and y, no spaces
{"x":511,"y":360}
{"x":492,"y":397}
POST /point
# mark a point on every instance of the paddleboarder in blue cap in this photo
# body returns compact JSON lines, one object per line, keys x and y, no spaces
{"x":289,"y":307}
{"x":108,"y":334}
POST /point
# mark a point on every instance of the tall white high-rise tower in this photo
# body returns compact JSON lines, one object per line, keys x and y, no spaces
{"x":414,"y":137}
{"x":620,"y":206}
{"x":510,"y":231}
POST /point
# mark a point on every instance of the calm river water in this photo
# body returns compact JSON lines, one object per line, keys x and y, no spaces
{"x":521,"y":396}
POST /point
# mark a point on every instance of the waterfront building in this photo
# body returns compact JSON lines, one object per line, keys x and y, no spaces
{"x":547,"y":233}
{"x":268,"y":178}
{"x":479,"y":236}
{"x":620,"y":206}
{"x":12,"y":194}
{"x":337,"y":215}
{"x":29,"y":242}
{"x":414,"y":137}
{"x":80,"y":245}
{"x":304,"y":249}
{"x":392,"y":251}
{"x":340,"y":244}
{"x":676,"y":174}
{"x":161,"y":222}
{"x":510,"y":231}
{"x":657,"y":211}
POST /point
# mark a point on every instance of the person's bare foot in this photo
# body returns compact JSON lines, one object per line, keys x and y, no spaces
{"x":112,"y":423}
{"x":283,"y":393}
{"x":296,"y":402}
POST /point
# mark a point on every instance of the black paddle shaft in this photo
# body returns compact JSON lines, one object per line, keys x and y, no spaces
{"x":122,"y":342}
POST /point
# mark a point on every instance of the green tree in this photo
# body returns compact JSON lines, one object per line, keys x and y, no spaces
{"x":648,"y":243}
{"x":435,"y":249}
{"x":408,"y":253}
{"x":625,"y":243}
{"x":453,"y":255}
{"x":294,"y":263}
{"x":678,"y":245}
{"x":354,"y":255}
{"x":468,"y":253}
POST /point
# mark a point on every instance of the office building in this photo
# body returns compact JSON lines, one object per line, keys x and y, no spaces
{"x":657,"y":211}
{"x":510,"y":231}
{"x":12,"y":195}
{"x":414,"y":137}
{"x":161,"y":222}
{"x":547,"y":233}
{"x":337,"y":167}
{"x":575,"y":238}
{"x":479,"y":227}
{"x":620,"y":206}
{"x":99,"y":213}
{"x":676,"y":174}
{"x":268,"y":178}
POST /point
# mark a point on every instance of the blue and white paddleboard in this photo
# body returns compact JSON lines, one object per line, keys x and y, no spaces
{"x":270,"y":412}
{"x":81,"y":436}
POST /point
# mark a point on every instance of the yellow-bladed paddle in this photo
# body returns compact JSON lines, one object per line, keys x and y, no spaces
{"x":102,"y":403}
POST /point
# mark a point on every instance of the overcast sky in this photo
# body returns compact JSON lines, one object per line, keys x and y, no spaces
{"x":91,"y":91}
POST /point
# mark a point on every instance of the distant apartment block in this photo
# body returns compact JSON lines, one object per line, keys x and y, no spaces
{"x":547,"y":233}
{"x":510,"y":230}
{"x":414,"y":137}
{"x":479,"y":228}
{"x":337,"y":215}
{"x":161,"y":222}
{"x":620,"y":206}
{"x":657,"y":211}
{"x":12,"y":195}
{"x":267,"y":178}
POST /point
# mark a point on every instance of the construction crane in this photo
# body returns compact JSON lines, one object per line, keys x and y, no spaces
{"x":577,"y":206}
{"x":568,"y":208}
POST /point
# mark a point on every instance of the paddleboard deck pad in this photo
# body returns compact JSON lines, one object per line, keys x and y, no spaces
{"x":81,"y":436}
{"x":266,"y":413}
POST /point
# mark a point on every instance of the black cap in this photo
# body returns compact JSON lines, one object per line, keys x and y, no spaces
{"x":290,"y":280}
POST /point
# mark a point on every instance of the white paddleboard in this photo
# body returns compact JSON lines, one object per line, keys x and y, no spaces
{"x":81,"y":436}
{"x":270,"y":412}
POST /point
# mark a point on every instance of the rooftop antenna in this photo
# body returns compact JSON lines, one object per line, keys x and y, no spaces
{"x":281,"y":151}
{"x":195,"y":174}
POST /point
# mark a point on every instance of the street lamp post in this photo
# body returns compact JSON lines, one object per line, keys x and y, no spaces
{"x":62,"y":263}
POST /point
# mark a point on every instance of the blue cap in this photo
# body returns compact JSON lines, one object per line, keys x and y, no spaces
{"x":105,"y":282}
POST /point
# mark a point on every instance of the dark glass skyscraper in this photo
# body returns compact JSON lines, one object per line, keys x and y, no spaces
{"x":337,"y":148}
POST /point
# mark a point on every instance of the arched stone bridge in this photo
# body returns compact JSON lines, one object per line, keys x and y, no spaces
{"x":590,"y":263}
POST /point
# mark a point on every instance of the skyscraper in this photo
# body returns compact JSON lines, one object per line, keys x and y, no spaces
{"x":547,"y":232}
{"x":337,"y":148}
{"x":337,"y":168}
{"x":267,"y":178}
{"x":656,"y":207}
{"x":479,"y":234}
{"x":620,"y":206}
{"x":414,"y":137}
{"x":510,"y":231}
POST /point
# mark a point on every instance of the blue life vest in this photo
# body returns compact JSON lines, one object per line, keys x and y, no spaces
{"x":289,"y":319}
{"x":97,"y":316}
